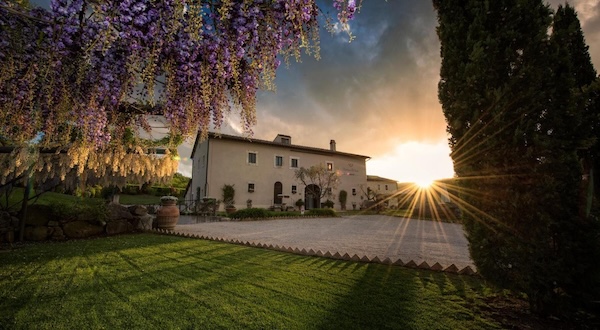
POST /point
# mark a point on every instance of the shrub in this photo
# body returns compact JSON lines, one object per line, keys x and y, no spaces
{"x":280,"y":214}
{"x":131,"y":189}
{"x":90,"y":210}
{"x":343,"y":197}
{"x":322,"y":212}
{"x":228,"y":194}
{"x":250,"y":213}
{"x":108,"y":192}
{"x":328,"y":204}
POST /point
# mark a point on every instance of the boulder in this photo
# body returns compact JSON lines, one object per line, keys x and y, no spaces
{"x":117,"y":212}
{"x":5,"y":220}
{"x":151,"y":209}
{"x":81,"y":229}
{"x":58,"y":234}
{"x":145,"y":222}
{"x":118,"y":227}
{"x":37,"y":233}
{"x":135,"y":222}
{"x":138,"y":210}
{"x":38,"y":215}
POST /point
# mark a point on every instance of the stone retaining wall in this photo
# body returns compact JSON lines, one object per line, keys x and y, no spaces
{"x":40,"y":225}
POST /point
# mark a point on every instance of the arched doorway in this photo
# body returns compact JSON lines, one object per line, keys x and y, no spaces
{"x":277,"y":193}
{"x":312,"y":192}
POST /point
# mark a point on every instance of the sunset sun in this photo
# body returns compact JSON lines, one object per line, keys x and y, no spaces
{"x":424,"y":183}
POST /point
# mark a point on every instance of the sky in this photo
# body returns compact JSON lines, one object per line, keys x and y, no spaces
{"x":375,"y":96}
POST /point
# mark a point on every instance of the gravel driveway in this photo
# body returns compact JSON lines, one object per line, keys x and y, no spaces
{"x":364,"y":235}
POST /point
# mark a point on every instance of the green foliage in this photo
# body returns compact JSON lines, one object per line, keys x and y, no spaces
{"x":519,"y":134}
{"x":15,"y":198}
{"x":343,"y":197}
{"x":284,"y":214}
{"x":93,"y":210}
{"x":228,"y":194}
{"x":108,"y":192}
{"x":179,"y":181}
{"x":250,"y":213}
{"x":139,"y":199}
{"x":299,"y":202}
{"x":321,"y":212}
{"x":328,"y":204}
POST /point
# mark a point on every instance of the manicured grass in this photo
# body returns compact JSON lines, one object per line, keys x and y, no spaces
{"x":50,"y":198}
{"x":139,"y":199}
{"x":47,"y":198}
{"x":148,"y":281}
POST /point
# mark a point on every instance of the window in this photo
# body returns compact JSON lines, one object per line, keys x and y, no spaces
{"x":294,"y":162}
{"x":251,"y":157}
{"x":386,"y":187}
{"x":294,"y":189}
{"x":250,"y":187}
{"x":278,"y":161}
{"x":353,"y":191}
{"x":330,"y":166}
{"x":285,"y":140}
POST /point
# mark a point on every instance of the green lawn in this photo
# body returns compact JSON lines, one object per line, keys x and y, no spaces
{"x":148,"y":281}
{"x":139,"y":199}
{"x":47,"y":198}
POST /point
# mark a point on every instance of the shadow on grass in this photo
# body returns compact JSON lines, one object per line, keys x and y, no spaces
{"x":391,"y":297}
{"x":151,"y":281}
{"x":379,"y":299}
{"x":49,"y":250}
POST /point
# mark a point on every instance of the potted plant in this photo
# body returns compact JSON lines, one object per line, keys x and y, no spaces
{"x":228,"y":198}
{"x":299,"y":203}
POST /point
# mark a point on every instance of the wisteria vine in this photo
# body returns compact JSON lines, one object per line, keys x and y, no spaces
{"x":87,"y":73}
{"x":77,"y":71}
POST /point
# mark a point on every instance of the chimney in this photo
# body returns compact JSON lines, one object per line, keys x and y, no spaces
{"x":332,"y":145}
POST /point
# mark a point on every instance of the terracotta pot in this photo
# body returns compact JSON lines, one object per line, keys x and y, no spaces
{"x":167,"y":215}
{"x":230,"y":209}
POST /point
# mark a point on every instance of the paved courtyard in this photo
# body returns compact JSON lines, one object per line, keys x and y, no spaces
{"x":364,"y":235}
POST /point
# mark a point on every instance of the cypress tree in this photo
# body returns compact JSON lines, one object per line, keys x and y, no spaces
{"x":516,"y":133}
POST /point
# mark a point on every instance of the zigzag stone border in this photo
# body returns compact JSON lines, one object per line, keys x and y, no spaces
{"x":453,"y":269}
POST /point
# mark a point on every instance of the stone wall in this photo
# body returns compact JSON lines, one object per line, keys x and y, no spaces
{"x":41,"y":225}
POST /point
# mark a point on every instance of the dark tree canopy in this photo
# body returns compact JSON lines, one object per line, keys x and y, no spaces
{"x":513,"y":97}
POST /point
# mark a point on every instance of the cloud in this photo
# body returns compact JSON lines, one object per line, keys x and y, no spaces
{"x":376,"y":93}
{"x":367,"y":94}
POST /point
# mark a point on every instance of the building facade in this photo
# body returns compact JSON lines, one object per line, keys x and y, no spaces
{"x":263,"y":171}
{"x":386,"y":190}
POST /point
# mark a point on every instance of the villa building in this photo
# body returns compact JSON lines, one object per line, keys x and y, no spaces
{"x":263,"y":171}
{"x":385,"y":189}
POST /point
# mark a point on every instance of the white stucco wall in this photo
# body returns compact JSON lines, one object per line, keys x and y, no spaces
{"x":227,"y":163}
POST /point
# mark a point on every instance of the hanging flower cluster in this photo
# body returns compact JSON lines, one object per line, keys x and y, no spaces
{"x":88,"y":73}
